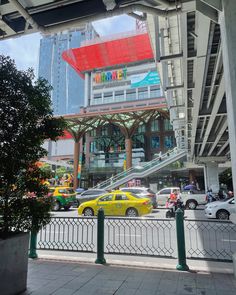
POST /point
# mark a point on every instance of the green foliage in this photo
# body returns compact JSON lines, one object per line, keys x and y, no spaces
{"x":26,"y":121}
{"x":60,"y":171}
{"x":47,"y":170}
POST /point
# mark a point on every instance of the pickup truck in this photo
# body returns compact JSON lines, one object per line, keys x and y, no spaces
{"x":191,"y":199}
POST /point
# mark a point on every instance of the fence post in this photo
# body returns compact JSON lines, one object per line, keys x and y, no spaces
{"x":100,"y":238}
{"x":180,"y":240}
{"x":33,"y":244}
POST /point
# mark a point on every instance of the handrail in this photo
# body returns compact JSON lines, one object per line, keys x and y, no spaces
{"x":143,"y":166}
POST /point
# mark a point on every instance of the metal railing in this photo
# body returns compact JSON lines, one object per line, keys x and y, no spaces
{"x":205,"y":239}
{"x":210,"y":239}
{"x":140,"y":236}
{"x":69,"y":234}
{"x":144,"y":169}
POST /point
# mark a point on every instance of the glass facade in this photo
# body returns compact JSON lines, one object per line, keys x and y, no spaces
{"x":169,"y":141}
{"x":155,"y":142}
{"x":155,"y":125}
{"x":68,"y":88}
{"x":167,"y":125}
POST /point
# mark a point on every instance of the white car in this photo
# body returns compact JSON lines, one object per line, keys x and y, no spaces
{"x":220,"y":209}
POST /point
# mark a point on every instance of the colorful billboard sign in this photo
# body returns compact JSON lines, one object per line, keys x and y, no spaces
{"x":145,"y":79}
{"x":102,"y":77}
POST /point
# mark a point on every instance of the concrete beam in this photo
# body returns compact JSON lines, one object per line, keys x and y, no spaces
{"x":199,"y":70}
{"x":207,"y":10}
{"x":218,"y":99}
{"x":203,"y":160}
{"x":216,"y":4}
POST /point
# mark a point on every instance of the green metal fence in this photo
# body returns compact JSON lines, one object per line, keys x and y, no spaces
{"x":69,"y":234}
{"x":214,"y":240}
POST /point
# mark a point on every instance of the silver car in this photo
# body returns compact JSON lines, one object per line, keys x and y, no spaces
{"x":143,"y":192}
{"x":89,"y":195}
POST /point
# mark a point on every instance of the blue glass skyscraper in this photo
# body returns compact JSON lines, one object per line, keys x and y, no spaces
{"x":68,"y":87}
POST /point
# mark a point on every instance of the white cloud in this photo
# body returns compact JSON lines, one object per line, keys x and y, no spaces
{"x":25,"y":50}
{"x":114,"y":25}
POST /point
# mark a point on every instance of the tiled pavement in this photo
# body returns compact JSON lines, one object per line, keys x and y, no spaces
{"x":65,"y":278}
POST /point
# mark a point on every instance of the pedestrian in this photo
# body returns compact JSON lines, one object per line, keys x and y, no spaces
{"x":160,"y":156}
{"x":209,"y":196}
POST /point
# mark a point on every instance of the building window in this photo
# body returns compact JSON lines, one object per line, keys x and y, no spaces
{"x":93,"y":147}
{"x":142,"y":93}
{"x":108,"y":97}
{"x":167,"y":125}
{"x":130,"y":94}
{"x":119,"y":96}
{"x":155,"y":125}
{"x":141,"y":128}
{"x":104,"y":130}
{"x":169,"y":142}
{"x":93,"y":133}
{"x":155,"y":91}
{"x":97,"y":99}
{"x":155,"y":142}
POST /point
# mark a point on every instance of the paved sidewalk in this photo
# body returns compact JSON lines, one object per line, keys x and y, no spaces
{"x":66,"y":277}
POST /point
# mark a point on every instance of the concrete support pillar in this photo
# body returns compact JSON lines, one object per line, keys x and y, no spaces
{"x":76,"y":163}
{"x":128,"y":150}
{"x":228,"y":35}
{"x":212,"y":176}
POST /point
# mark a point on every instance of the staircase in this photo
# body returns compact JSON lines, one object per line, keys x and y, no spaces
{"x":143,"y":169}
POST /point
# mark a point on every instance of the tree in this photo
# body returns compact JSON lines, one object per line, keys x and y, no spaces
{"x":26,"y":121}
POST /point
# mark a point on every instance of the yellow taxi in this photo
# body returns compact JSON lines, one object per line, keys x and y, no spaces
{"x":63,"y":196}
{"x":117,"y":203}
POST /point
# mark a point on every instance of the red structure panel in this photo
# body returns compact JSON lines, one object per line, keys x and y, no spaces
{"x":120,"y":51}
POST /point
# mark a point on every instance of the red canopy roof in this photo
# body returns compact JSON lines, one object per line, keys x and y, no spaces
{"x":120,"y":51}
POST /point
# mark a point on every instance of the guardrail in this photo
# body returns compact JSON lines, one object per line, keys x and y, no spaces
{"x":210,"y":239}
{"x":140,"y":236}
{"x":69,"y":234}
{"x":205,"y":239}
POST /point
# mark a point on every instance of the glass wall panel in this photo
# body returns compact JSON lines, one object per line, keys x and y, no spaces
{"x":143,"y":93}
{"x":155,"y":142}
{"x":130,"y":94}
{"x":155,"y":125}
{"x":119,"y":96}
{"x":169,"y":141}
{"x":155,"y":91}
{"x":108,"y":97}
{"x":167,"y":125}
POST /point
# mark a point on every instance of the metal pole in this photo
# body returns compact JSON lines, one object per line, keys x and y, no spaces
{"x":180,"y":240}
{"x":33,"y":244}
{"x":100,"y":238}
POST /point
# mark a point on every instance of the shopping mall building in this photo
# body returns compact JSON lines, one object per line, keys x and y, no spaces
{"x":120,"y":78}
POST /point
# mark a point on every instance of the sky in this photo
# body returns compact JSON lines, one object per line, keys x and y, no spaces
{"x":25,"y":50}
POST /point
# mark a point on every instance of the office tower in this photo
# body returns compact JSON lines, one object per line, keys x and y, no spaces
{"x":68,"y":87}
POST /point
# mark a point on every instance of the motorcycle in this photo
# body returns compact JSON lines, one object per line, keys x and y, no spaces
{"x":172,"y":207}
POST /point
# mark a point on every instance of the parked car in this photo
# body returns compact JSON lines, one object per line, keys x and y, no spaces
{"x":89,"y":195}
{"x":117,"y":203}
{"x":220,"y":209}
{"x":144,"y":192}
{"x":164,"y":194}
{"x":63,"y":196}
